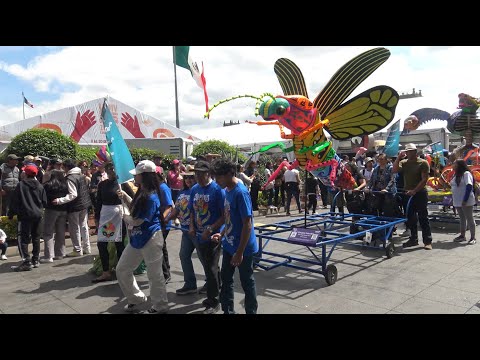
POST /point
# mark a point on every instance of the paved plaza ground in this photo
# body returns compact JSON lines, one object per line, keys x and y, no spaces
{"x":445,"y":280}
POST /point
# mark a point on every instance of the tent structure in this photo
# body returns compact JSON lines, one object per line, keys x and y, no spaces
{"x":247,"y":137}
{"x":83,"y":124}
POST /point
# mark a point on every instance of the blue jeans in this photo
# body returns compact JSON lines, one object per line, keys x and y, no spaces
{"x":186,"y":250}
{"x":247,"y":280}
{"x":3,"y":247}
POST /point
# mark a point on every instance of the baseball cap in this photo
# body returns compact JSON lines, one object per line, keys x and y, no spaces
{"x":368,"y":159}
{"x":30,"y":170}
{"x":175,"y":162}
{"x":189,"y":170}
{"x":202,"y":166}
{"x":12,"y":157}
{"x":143,"y":167}
{"x":410,"y":146}
{"x":191,"y":158}
{"x":28,"y":158}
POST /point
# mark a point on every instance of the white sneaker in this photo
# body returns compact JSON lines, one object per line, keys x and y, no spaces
{"x":4,"y":257}
{"x":406,"y":233}
{"x":87,"y":251}
{"x":45,"y":260}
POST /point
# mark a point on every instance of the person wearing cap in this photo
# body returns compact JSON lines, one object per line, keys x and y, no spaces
{"x":146,"y":242}
{"x":10,"y":177}
{"x":53,"y":164}
{"x":238,"y":239}
{"x":189,"y":243}
{"x":174,"y":179}
{"x":157,"y":159}
{"x":191,"y":160}
{"x":367,"y":169}
{"x":415,"y":175}
{"x":28,"y":201}
{"x":38,"y":161}
{"x":78,"y":200}
{"x":206,"y":207}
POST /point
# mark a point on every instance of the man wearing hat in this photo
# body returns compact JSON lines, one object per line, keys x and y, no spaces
{"x":191,"y":160}
{"x":9,"y":179}
{"x":38,"y":162}
{"x":415,"y":175}
{"x":206,"y":207}
{"x":53,"y":164}
{"x":29,"y":199}
{"x":157,"y":159}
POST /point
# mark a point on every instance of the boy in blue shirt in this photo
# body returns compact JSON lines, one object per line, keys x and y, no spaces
{"x":238,"y":238}
{"x":206,"y":218}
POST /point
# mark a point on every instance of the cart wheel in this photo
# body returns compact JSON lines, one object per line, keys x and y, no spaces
{"x":390,"y":250}
{"x":331,"y":275}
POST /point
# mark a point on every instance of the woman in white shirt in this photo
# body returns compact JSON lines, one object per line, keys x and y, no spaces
{"x":463,"y":199}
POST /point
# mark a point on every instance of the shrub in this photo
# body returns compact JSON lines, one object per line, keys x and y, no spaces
{"x":10,"y":227}
{"x":219,"y":147}
{"x":42,"y":142}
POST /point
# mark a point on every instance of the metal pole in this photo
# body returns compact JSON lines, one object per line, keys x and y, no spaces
{"x":176,"y":97}
{"x":23,"y":105}
{"x":306,"y":198}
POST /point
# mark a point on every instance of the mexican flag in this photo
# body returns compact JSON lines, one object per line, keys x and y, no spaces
{"x":183,"y":59}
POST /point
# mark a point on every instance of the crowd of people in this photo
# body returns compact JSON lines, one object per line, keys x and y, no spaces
{"x":212,"y":201}
{"x":211,"y":206}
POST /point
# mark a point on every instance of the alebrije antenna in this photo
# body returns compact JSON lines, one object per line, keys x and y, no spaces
{"x":259,"y":99}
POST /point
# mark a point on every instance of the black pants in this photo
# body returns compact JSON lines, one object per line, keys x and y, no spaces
{"x":166,"y":263}
{"x":254,"y":195}
{"x":6,"y":200}
{"x":323,"y":193}
{"x":105,"y":257}
{"x":312,"y":200}
{"x":292,"y":190}
{"x":210,"y":254}
{"x":279,"y":190}
{"x":3,"y":247}
{"x":29,"y":232}
{"x":418,"y":212}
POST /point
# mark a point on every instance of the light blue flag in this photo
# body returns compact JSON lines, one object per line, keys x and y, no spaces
{"x":393,"y":140}
{"x":121,"y":157}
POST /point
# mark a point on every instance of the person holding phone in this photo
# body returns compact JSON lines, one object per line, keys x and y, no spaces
{"x":415,"y":175}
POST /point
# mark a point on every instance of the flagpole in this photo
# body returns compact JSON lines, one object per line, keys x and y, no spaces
{"x":23,"y":105}
{"x":176,"y":97}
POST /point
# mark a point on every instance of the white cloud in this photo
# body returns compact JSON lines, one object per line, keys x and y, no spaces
{"x":143,"y":77}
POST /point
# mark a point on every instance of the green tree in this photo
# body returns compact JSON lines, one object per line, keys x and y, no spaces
{"x":42,"y":142}
{"x":218,"y":147}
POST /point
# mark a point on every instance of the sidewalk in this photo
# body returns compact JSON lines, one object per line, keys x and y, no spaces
{"x":443,"y":280}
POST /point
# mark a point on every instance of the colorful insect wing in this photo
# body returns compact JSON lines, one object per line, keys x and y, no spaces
{"x":365,"y":114}
{"x":290,"y":77}
{"x":347,"y":78}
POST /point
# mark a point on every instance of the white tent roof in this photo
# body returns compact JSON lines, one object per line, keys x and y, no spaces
{"x":243,"y":135}
{"x":70,"y":121}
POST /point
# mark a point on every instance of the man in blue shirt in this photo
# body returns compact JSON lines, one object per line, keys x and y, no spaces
{"x":238,"y":238}
{"x":166,"y":207}
{"x":206,"y":218}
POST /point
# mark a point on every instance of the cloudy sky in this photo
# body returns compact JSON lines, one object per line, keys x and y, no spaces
{"x":143,"y":77}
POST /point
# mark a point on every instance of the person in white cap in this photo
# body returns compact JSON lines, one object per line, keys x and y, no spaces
{"x":415,"y":175}
{"x":146,"y":242}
